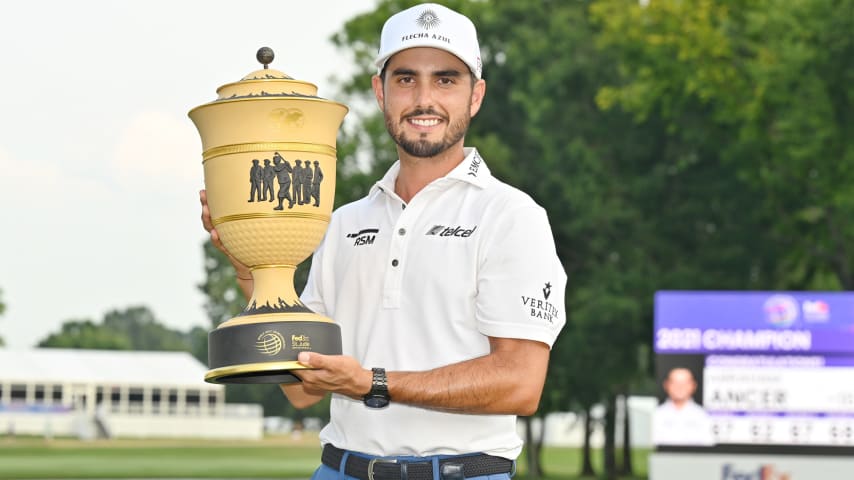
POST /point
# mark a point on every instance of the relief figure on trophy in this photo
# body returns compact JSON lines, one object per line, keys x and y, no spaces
{"x":283,"y":172}
{"x":256,"y":174}
{"x":269,"y":174}
{"x":299,"y":184}
{"x":315,"y":184}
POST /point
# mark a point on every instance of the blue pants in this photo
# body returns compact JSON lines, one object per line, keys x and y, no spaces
{"x":324,"y":472}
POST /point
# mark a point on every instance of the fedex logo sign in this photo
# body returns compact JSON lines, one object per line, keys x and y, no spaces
{"x":764,"y":472}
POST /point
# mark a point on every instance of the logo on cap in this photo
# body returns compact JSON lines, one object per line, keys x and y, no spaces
{"x":427,"y":20}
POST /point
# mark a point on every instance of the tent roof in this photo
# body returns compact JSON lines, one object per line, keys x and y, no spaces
{"x":116,"y":367}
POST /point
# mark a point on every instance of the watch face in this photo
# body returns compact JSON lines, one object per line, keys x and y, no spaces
{"x":376,"y":401}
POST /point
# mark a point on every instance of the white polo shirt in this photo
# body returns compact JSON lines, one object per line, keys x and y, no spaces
{"x":422,"y":285}
{"x":689,"y":425}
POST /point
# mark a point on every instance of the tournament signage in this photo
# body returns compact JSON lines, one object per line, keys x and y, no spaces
{"x":701,"y":322}
{"x":754,"y":385}
{"x":772,"y":369}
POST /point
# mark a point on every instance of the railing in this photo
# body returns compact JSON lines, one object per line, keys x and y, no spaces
{"x":230,"y":410}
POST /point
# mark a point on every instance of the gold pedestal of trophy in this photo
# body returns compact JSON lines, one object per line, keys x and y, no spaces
{"x":269,"y":159}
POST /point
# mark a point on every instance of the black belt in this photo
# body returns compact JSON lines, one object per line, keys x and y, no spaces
{"x":393,"y":469}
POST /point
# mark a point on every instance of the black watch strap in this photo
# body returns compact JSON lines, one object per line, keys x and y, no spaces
{"x":378,"y":397}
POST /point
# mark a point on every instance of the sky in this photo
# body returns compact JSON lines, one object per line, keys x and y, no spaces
{"x":100,"y":167}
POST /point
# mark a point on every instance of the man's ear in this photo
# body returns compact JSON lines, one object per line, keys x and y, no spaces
{"x":377,"y":84}
{"x":478,"y":91}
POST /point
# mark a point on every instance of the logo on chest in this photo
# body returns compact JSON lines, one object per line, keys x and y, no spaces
{"x":454,"y":231}
{"x":365,"y":236}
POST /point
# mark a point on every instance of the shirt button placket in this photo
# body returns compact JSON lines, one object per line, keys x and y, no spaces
{"x":391,"y":297}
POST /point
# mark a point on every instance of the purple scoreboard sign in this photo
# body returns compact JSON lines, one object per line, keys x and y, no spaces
{"x":755,"y":371}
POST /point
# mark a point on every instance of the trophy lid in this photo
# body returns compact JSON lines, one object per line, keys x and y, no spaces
{"x":266,"y":82}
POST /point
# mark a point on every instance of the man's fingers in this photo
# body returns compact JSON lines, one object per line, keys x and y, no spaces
{"x":207,"y":222}
{"x":306,"y":358}
{"x":206,"y":218}
{"x":206,"y":211}
{"x":215,"y":240}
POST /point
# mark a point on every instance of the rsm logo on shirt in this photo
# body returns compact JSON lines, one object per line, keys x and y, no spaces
{"x":458,"y":231}
{"x":364,"y":237}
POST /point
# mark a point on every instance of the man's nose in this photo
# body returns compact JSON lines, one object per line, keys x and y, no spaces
{"x":424,"y":95}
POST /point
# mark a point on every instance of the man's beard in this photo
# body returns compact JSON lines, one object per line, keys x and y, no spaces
{"x":421,"y":148}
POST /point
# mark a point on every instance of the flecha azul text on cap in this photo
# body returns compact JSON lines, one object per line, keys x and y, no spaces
{"x":415,"y":36}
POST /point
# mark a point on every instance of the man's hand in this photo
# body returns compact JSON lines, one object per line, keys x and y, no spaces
{"x":333,"y":373}
{"x":244,"y":275}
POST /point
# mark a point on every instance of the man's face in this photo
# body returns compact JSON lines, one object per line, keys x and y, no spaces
{"x":680,"y":385}
{"x":428,"y":99}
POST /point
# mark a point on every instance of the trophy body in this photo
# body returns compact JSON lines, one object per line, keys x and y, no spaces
{"x":269,"y":161}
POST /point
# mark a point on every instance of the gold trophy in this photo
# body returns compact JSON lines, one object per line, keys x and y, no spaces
{"x":269,"y":158}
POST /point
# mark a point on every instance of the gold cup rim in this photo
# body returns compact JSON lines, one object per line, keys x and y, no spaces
{"x":231,"y":370}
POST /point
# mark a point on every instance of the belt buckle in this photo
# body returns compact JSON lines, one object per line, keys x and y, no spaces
{"x":375,"y":461}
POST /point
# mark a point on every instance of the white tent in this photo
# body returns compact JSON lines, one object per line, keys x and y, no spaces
{"x":62,"y":365}
{"x":116,"y":393}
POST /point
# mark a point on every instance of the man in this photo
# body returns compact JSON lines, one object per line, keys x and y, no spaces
{"x":269,"y":174}
{"x":448,"y":316}
{"x":297,"y":182}
{"x":306,"y":183}
{"x":315,"y":183}
{"x":282,"y":169}
{"x":256,"y":174}
{"x":679,"y":420}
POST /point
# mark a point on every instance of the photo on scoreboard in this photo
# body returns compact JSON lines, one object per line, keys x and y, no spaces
{"x":754,"y":372}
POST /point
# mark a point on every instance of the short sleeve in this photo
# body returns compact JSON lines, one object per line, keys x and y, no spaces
{"x":521,"y":282}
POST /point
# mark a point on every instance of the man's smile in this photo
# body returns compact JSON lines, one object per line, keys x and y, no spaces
{"x":424,"y":122}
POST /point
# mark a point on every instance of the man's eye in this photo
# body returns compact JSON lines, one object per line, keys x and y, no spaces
{"x":446,"y":81}
{"x":406,"y":80}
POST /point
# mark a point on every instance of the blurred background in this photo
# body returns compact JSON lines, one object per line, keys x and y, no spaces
{"x":675,"y":144}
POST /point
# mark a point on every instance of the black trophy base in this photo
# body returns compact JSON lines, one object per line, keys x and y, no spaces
{"x":266,"y":352}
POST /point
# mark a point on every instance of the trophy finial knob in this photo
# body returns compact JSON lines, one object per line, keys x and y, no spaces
{"x":265,"y":56}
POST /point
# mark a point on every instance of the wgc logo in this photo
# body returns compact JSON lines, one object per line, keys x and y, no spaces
{"x":270,"y":342}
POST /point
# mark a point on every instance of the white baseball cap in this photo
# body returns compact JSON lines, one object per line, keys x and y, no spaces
{"x":431,"y":25}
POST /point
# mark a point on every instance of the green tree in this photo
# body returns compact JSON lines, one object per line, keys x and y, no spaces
{"x":85,"y":333}
{"x":763,"y":92}
{"x":133,"y":328}
{"x":143,"y":330}
{"x":223,"y":298}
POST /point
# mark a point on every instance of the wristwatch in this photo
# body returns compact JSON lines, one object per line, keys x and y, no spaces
{"x":378,"y":397}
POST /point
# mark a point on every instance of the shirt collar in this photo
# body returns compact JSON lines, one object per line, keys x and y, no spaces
{"x":386,"y":184}
{"x":472,"y":169}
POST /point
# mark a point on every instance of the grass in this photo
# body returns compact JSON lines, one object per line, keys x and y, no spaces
{"x":269,"y":458}
{"x":273,"y":457}
{"x":565,"y":463}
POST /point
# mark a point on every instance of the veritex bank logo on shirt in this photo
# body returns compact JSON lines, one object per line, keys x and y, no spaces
{"x":364,"y":237}
{"x":542,"y":309}
{"x":444,"y":231}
